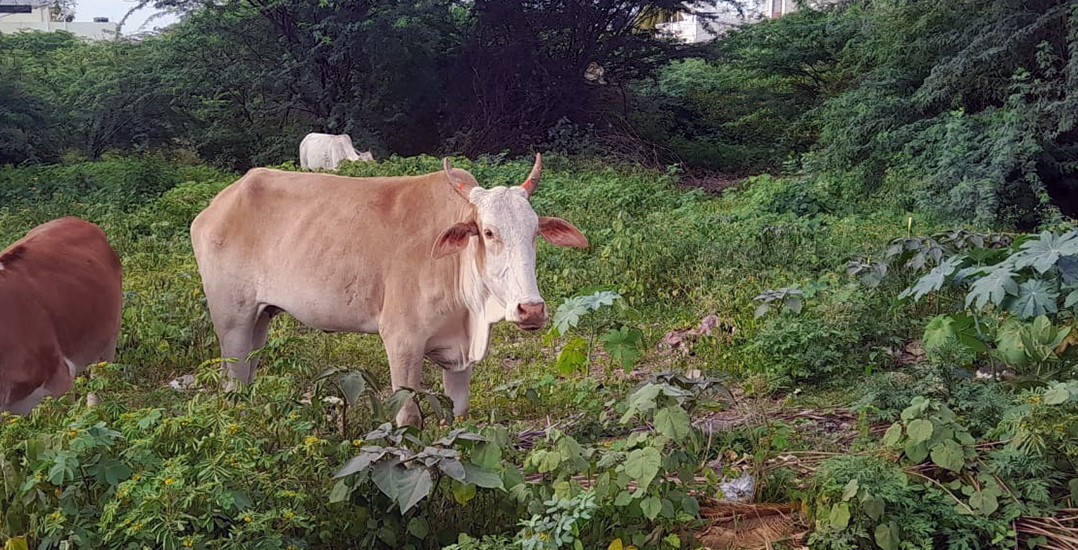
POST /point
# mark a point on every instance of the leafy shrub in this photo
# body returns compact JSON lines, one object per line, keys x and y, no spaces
{"x":963,"y":496}
{"x":980,"y":404}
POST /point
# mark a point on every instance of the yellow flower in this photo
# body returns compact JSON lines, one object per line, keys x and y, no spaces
{"x":56,"y":516}
{"x":293,"y":416}
{"x":248,"y":519}
{"x":233,"y":427}
{"x":310,"y":440}
{"x":289,"y":514}
{"x":169,"y":481}
{"x":188,"y":543}
{"x":127,"y":521}
{"x":136,"y":477}
{"x":72,"y":433}
{"x":57,"y":492}
{"x":357,"y":442}
{"x":137,"y":526}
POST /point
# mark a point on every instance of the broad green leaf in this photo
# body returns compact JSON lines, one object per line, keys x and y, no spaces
{"x":359,"y":463}
{"x":958,"y":328}
{"x":623,"y":346}
{"x":651,"y":507}
{"x":1071,"y":299}
{"x":599,"y":299}
{"x":1009,"y":345}
{"x":761,"y":310}
{"x":919,"y":430}
{"x":690,"y":506}
{"x":1043,"y":252}
{"x":353,"y":385}
{"x":673,"y":422}
{"x":934,"y":280}
{"x":463,"y":492}
{"x":341,"y":491}
{"x":452,"y":468}
{"x":413,"y":485}
{"x":487,"y":455}
{"x":984,"y":502}
{"x":850,"y":490}
{"x":573,"y":356}
{"x":886,"y":535}
{"x":1068,"y":269}
{"x":673,"y":540}
{"x":568,"y":315}
{"x":482,"y":478}
{"x":893,"y":435}
{"x":623,"y":499}
{"x":948,"y":455}
{"x":385,"y":476}
{"x":873,"y":507}
{"x":642,"y":465}
{"x":992,"y":288}
{"x":616,"y":544}
{"x":840,"y":515}
{"x":1035,"y":297}
{"x":1057,"y":395}
{"x":793,"y":303}
{"x":418,"y":528}
{"x":916,"y":452}
{"x":1073,"y":485}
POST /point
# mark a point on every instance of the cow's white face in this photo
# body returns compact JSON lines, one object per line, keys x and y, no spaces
{"x":507,"y":230}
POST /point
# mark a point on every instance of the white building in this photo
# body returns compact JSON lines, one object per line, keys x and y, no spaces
{"x":720,"y":18}
{"x":40,"y":15}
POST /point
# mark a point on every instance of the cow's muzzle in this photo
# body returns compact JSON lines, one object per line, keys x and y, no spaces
{"x":531,"y":316}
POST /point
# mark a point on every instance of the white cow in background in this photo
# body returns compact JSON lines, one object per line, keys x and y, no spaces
{"x":326,"y":151}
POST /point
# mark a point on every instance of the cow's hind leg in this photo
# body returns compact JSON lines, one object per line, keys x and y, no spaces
{"x":107,"y":356}
{"x":240,"y":335}
{"x":235,"y":332}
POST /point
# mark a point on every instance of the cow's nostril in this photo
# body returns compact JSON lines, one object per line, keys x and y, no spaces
{"x":527,"y":311}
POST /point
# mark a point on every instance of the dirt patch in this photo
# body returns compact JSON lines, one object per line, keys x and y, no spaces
{"x":714,"y":183}
{"x":750,"y":526}
{"x":683,"y":340}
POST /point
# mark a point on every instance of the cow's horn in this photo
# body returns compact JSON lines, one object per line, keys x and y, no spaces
{"x":532,"y":182}
{"x":464,"y":187}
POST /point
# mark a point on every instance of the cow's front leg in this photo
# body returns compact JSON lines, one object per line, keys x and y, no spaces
{"x":457,"y":386}
{"x":405,"y":371}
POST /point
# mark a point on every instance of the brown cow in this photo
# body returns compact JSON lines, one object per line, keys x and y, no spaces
{"x":60,"y":304}
{"x":427,"y":262}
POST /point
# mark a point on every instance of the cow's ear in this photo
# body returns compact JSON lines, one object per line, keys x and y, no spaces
{"x":454,"y":239}
{"x":561,"y":233}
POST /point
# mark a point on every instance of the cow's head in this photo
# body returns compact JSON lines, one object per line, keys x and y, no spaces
{"x":507,"y":230}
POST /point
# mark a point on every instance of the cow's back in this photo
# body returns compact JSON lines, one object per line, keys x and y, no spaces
{"x":300,"y":240}
{"x":60,"y":300}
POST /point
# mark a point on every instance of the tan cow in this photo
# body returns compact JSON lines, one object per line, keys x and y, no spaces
{"x":428,"y":262}
{"x":60,"y":305}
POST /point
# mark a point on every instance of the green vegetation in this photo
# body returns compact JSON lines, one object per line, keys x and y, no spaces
{"x":875,"y":330}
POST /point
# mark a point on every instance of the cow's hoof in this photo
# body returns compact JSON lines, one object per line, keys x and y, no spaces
{"x":92,"y":400}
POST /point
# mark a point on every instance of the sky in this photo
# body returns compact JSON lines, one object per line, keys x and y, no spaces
{"x":86,"y":10}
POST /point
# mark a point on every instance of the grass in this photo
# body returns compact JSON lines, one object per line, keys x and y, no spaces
{"x":674,"y":254}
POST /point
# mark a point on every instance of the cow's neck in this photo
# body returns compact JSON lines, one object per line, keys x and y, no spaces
{"x":483,"y":308}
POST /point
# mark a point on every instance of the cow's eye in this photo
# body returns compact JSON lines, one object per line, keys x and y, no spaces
{"x":488,"y":233}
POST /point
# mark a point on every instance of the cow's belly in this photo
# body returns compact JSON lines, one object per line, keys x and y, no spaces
{"x":329,"y":311}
